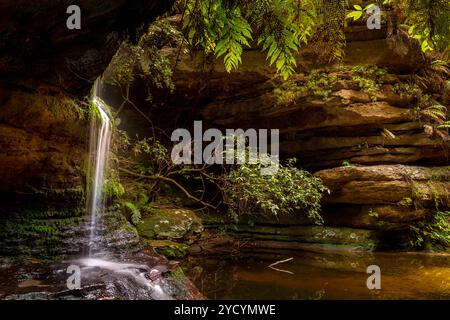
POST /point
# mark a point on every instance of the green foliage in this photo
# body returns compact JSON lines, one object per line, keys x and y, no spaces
{"x":289,"y":91}
{"x":346,"y":163}
{"x":113,"y":188}
{"x":290,"y":190}
{"x":445,"y":125}
{"x":436,"y":113}
{"x":373,"y":213}
{"x":135,"y":208}
{"x":366,"y":84}
{"x":434,"y":231}
{"x":428,"y":22}
{"x":328,"y":41}
{"x":150,"y":155}
{"x":135,"y":212}
{"x":432,"y":112}
{"x":218,"y":28}
{"x":145,"y":59}
{"x":284,"y":29}
{"x":321,"y":83}
{"x":357,"y":13}
{"x":388,"y":134}
{"x":406,"y":202}
{"x":368,"y":78}
{"x":61,"y":105}
{"x":407,"y":89}
{"x":317,"y":83}
{"x":281,"y":28}
{"x":423,"y":20}
{"x":234,"y":34}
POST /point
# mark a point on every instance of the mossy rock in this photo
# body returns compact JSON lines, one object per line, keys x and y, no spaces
{"x":169,"y":248}
{"x":357,"y":238}
{"x":170,"y":223}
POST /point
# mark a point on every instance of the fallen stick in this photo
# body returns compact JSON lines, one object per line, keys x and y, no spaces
{"x":272,"y":266}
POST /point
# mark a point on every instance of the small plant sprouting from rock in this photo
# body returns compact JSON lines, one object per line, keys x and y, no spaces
{"x":432,"y":232}
{"x":317,"y":83}
{"x":346,"y":163}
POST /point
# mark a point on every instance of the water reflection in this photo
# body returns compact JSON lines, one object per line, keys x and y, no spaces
{"x":322,"y":276}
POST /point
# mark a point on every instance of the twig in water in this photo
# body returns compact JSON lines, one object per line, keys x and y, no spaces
{"x":272,"y":266}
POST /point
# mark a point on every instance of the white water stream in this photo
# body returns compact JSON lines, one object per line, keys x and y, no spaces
{"x":99,"y":143}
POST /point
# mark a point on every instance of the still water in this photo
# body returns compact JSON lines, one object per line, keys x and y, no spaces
{"x":321,"y":276}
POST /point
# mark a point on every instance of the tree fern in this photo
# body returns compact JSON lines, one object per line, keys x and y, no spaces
{"x":329,"y":40}
{"x":235,"y":33}
{"x":283,"y":27}
{"x":445,"y":125}
{"x":437,"y":112}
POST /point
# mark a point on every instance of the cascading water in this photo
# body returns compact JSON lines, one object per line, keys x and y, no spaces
{"x":100,"y":139}
{"x":132,"y":279}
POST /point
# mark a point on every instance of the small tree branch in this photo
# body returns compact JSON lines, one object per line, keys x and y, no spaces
{"x":272,"y":266}
{"x":179,"y":186}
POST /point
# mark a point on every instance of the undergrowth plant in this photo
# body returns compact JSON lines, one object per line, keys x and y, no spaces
{"x":432,"y":232}
{"x":146,"y":168}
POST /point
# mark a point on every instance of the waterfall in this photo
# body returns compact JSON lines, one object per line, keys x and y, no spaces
{"x":130,"y":277}
{"x":99,"y":142}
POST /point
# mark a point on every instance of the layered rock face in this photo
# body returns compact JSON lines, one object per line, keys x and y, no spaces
{"x":38,"y":50}
{"x":46,"y":71}
{"x":384,"y":197}
{"x":347,"y":125}
{"x":364,"y":136}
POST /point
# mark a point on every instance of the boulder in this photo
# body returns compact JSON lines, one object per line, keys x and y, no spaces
{"x":170,"y":223}
{"x":384,"y":197}
{"x":170,"y":249}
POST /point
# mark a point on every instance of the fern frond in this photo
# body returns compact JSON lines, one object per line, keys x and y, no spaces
{"x":445,"y":125}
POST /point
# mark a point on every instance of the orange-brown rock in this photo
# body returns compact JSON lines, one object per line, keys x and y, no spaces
{"x":384,"y":196}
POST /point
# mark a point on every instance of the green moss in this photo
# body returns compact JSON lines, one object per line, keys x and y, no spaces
{"x":373,"y":213}
{"x":368,"y":85}
{"x":419,"y":194}
{"x":68,"y":108}
{"x":169,"y":248}
{"x":34,"y":227}
{"x":169,"y":223}
{"x":406,"y":202}
{"x":178,"y":276}
{"x":321,"y":83}
{"x":407,"y":90}
{"x":316,"y":83}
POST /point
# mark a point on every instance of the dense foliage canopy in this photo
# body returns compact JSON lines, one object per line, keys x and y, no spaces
{"x":280,"y":28}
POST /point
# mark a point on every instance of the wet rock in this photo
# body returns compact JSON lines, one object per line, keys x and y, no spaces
{"x":47,"y":70}
{"x":58,"y":237}
{"x":122,"y":277}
